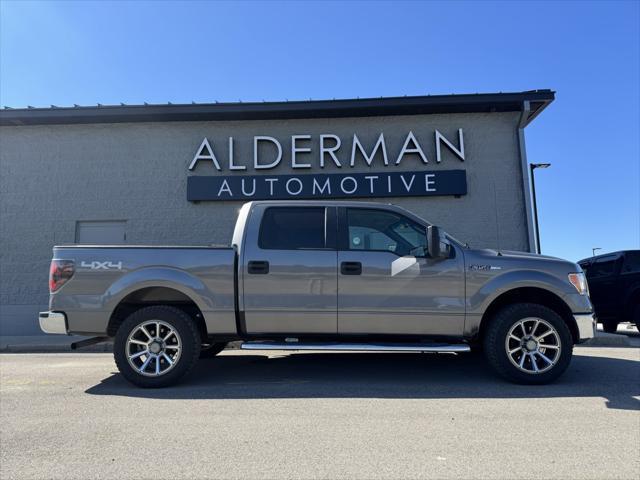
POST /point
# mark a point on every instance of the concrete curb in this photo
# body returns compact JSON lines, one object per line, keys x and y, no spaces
{"x":42,"y":344}
{"x":60,"y":344}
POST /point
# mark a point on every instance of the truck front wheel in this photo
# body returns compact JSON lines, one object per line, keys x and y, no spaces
{"x":528,"y":343}
{"x":156,"y":346}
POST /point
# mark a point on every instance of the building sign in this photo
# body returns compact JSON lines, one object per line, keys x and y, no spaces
{"x":327,"y":185}
{"x":268,"y":154}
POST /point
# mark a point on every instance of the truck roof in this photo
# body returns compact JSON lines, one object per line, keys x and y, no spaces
{"x":340,"y":203}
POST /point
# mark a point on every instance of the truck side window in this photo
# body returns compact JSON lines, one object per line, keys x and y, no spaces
{"x":381,"y":230}
{"x":292,"y":228}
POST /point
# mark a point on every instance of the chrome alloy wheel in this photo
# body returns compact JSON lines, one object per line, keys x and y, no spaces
{"x":533,"y":345}
{"x":153,"y":348}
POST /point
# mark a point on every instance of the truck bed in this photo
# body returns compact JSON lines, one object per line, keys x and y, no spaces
{"x":106,"y":274}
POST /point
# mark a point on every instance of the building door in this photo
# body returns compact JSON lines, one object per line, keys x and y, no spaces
{"x":289,"y":271}
{"x":101,"y":232}
{"x":386,"y":287}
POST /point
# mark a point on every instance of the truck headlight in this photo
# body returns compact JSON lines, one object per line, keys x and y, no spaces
{"x":579,"y":281}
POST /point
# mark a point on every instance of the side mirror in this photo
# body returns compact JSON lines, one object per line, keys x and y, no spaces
{"x":437,"y":244}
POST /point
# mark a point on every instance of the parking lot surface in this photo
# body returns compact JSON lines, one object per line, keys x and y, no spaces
{"x":310,"y":415}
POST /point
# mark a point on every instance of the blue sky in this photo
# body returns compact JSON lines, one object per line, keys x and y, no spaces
{"x":589,"y":52}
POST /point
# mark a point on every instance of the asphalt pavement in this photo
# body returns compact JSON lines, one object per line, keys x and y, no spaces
{"x":267,"y":415}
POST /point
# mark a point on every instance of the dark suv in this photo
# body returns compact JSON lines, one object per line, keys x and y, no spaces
{"x":614,"y":285}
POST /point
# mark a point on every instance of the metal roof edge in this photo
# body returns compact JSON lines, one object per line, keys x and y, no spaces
{"x":361,"y":107}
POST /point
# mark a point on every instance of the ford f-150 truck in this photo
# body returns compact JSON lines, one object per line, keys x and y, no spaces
{"x":309,"y":275}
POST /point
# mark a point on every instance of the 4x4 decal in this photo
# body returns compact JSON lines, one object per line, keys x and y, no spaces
{"x":95,"y":265}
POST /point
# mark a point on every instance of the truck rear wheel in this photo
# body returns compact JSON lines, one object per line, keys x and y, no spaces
{"x":156,"y":346}
{"x":528,"y":343}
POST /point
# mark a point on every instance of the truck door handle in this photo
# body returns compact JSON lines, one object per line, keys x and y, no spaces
{"x":258,"y":267}
{"x":351,"y":268}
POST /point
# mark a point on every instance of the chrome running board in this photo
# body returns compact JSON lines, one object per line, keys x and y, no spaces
{"x":358,"y":347}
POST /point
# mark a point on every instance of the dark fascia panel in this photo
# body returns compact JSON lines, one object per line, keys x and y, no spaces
{"x":365,"y":107}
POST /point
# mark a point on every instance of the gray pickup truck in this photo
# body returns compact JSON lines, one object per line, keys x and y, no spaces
{"x":310,"y":275}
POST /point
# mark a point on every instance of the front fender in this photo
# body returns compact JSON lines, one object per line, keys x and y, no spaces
{"x":486,"y":292}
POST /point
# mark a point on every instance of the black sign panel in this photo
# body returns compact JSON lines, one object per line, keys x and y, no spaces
{"x":327,"y":185}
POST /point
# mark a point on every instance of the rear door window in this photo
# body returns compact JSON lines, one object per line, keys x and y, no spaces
{"x":293,"y":228}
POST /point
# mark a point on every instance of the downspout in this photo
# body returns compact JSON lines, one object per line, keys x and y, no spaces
{"x":526,"y":183}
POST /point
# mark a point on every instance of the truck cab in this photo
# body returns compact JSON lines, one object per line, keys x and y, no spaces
{"x":352,"y":270}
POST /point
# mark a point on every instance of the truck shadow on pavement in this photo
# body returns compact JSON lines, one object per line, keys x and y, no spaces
{"x":372,"y":375}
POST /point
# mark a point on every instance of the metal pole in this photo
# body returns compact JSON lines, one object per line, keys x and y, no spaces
{"x":535,"y":207}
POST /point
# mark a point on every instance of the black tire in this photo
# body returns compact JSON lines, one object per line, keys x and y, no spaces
{"x":636,"y":316}
{"x":496,"y":344}
{"x":212,"y":350}
{"x":187,"y":337}
{"x":610,"y":326}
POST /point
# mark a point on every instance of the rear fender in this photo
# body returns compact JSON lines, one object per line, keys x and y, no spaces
{"x":173,"y":278}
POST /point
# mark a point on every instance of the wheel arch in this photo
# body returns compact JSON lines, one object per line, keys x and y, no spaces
{"x":157,"y":286}
{"x":155,"y":295}
{"x":535,"y":295}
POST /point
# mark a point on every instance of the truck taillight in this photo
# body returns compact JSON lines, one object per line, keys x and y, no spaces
{"x":59,"y":273}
